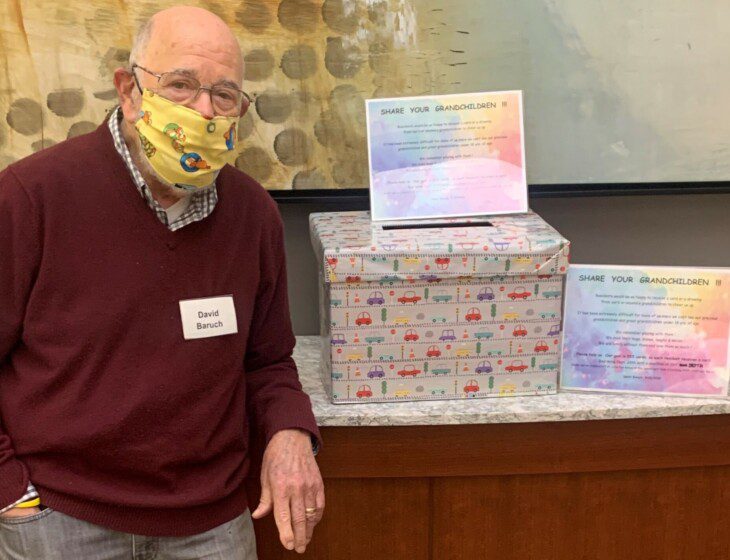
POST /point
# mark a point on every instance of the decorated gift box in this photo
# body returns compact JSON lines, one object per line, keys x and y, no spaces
{"x":455,"y":308}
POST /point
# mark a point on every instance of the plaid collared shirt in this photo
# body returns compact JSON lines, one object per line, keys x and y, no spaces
{"x":202,"y":201}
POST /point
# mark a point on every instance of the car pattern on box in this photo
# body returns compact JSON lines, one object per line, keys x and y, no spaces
{"x":376,"y":371}
{"x":409,"y":370}
{"x":374,"y":339}
{"x":483,"y":334}
{"x":375,"y":298}
{"x":364,"y":391}
{"x":436,"y":308}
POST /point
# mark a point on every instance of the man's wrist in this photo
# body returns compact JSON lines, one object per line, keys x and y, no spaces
{"x":314,"y":442}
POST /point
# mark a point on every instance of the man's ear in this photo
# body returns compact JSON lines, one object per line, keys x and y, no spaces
{"x":129,"y":99}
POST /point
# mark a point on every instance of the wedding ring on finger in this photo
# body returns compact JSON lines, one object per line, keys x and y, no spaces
{"x":310,"y":512}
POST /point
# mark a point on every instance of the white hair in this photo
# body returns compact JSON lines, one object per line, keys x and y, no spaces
{"x":139,"y":45}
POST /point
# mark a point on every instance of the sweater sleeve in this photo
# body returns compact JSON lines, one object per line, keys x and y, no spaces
{"x":20,"y":253}
{"x":275,"y":398}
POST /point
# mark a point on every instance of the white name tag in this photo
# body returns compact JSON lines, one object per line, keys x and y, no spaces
{"x":206,"y":317}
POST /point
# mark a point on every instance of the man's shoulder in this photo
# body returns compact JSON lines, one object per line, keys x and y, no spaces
{"x":246,"y":191}
{"x":73,"y":157}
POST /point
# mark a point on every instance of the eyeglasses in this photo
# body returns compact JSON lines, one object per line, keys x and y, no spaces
{"x":183,"y":88}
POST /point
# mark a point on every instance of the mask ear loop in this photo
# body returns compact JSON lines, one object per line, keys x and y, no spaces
{"x":136,"y":81}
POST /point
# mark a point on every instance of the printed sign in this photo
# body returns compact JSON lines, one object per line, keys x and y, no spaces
{"x":647,"y":329}
{"x":446,"y":156}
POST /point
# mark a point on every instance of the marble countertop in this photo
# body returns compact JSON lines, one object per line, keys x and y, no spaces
{"x":546,"y":408}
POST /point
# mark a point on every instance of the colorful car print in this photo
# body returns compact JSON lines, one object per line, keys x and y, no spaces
{"x":433,"y":351}
{"x":551,"y":294}
{"x":430,"y":278}
{"x":352,"y":279}
{"x":547,"y":314}
{"x":462,"y":352}
{"x":438,"y":319}
{"x":541,"y":346}
{"x":473,"y":315}
{"x":376,"y":371}
{"x":412,"y":260}
{"x":337,"y":375}
{"x":335,"y":302}
{"x":494,"y":353}
{"x":554,"y":330}
{"x":519,"y":330}
{"x":388,"y":279}
{"x":442,"y":297}
{"x":376,"y":298}
{"x":441,"y":369}
{"x":338,"y":338}
{"x":402,"y":393}
{"x":519,"y":293}
{"x":374,"y":339}
{"x":363,"y":392}
{"x":483,"y":334}
{"x":523,"y":260}
{"x":409,"y":297}
{"x":447,"y":334}
{"x":354,"y":357}
{"x":507,"y":389}
{"x":401,"y":320}
{"x":363,"y":319}
{"x":516,"y":365}
{"x":438,"y":391}
{"x":409,"y":369}
{"x":410,"y":336}
{"x":484,"y":367}
{"x":385,"y":357}
{"x":548,"y":367}
{"x":511,"y":315}
{"x":485,"y":294}
{"x":442,"y":263}
{"x":471,"y":388}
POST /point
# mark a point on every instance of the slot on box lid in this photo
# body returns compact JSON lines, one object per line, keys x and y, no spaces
{"x":429,"y":225}
{"x":351,"y":247}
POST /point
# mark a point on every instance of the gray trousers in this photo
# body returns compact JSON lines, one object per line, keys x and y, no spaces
{"x":52,"y":535}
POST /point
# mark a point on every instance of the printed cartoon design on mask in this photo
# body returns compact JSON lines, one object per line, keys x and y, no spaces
{"x":230,"y":137}
{"x":148,"y":148}
{"x":177,"y":134}
{"x":188,"y":148}
{"x":192,"y":162}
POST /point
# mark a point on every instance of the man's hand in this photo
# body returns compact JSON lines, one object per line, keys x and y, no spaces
{"x":292,"y":484}
{"x":19,"y":512}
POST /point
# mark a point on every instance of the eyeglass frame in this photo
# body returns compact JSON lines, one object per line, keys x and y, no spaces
{"x":197,"y":93}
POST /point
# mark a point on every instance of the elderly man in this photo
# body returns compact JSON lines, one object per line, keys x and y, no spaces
{"x":144,"y":320}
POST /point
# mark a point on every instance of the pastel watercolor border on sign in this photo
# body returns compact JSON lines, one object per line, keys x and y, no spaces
{"x":462,"y":181}
{"x":710,"y":341}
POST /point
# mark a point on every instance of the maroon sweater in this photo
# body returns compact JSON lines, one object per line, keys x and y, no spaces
{"x":104,"y":406}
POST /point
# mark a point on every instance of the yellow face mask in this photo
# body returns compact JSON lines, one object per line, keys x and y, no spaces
{"x":182,"y":146}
